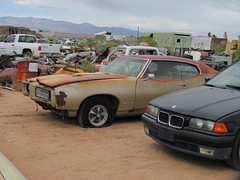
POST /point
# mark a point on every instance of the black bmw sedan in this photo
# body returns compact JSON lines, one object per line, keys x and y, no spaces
{"x":203,"y":121}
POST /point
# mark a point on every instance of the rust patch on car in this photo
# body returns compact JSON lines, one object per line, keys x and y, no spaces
{"x":205,"y":69}
{"x":60,"y":99}
{"x":76,"y":79}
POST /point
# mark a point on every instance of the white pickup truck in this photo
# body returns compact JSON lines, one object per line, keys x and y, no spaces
{"x":28,"y":46}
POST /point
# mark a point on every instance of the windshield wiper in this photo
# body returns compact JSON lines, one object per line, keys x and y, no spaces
{"x":234,"y":87}
{"x":210,"y":85}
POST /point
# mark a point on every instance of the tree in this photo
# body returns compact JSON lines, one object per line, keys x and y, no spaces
{"x":100,"y":38}
{"x":149,"y":40}
{"x":210,"y":35}
{"x":51,"y":39}
{"x":91,"y":43}
{"x":218,"y":48}
{"x":2,"y":37}
{"x":236,"y":54}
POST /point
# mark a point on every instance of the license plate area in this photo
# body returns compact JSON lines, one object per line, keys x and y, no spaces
{"x":166,"y":134}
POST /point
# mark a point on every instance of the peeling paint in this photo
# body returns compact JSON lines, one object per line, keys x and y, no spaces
{"x":60,"y":99}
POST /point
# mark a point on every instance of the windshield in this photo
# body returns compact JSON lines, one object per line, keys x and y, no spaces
{"x":125,"y":66}
{"x":230,"y":78}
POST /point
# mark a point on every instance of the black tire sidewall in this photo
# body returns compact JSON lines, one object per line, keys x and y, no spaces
{"x":88,"y":104}
{"x":27,"y":54}
{"x":222,"y":68}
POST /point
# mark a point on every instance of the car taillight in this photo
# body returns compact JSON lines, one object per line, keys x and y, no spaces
{"x":39,"y":48}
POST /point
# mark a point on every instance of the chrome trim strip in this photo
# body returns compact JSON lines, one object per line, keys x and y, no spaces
{"x":162,"y":121}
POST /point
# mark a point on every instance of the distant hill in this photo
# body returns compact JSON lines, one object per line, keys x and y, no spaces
{"x":62,"y":26}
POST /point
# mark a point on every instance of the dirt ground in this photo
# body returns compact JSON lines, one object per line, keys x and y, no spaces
{"x":42,"y":145}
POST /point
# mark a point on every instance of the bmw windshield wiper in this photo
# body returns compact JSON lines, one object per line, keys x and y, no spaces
{"x":210,"y":85}
{"x":234,"y":87}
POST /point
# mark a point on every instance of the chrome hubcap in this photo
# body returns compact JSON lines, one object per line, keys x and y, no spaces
{"x":98,"y":115}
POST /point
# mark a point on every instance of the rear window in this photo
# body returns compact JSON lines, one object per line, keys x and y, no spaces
{"x":27,"y":39}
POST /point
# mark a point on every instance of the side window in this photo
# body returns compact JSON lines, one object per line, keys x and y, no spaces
{"x":10,"y":39}
{"x":164,"y":70}
{"x":27,"y":39}
{"x":30,"y":39}
{"x":21,"y":39}
{"x":133,"y":52}
{"x":189,"y":71}
{"x":151,"y":52}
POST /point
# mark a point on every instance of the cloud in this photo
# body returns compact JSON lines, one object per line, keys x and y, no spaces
{"x":198,"y":16}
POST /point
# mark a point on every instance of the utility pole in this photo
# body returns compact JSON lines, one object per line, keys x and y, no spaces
{"x":138,"y":34}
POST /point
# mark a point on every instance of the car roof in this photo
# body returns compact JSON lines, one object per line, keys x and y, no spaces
{"x":137,"y":47}
{"x":205,"y":69}
{"x":158,"y":57}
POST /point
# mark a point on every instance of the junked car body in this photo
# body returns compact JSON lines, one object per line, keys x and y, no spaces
{"x":202,"y":121}
{"x":124,"y":50}
{"x":124,"y":87}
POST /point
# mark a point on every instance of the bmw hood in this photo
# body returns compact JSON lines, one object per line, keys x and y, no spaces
{"x":64,"y":79}
{"x":203,"y":102}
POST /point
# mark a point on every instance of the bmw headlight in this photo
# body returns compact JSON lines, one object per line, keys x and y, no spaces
{"x":152,"y":110}
{"x":201,"y":124}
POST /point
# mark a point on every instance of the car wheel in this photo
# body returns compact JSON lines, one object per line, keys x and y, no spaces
{"x":222,"y":68}
{"x":96,"y":112}
{"x":235,"y":155}
{"x":27,"y":54}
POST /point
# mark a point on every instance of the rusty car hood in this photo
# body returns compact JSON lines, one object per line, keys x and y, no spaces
{"x":203,"y":102}
{"x":64,"y":79}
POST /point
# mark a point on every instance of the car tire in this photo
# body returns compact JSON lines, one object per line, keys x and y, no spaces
{"x":96,"y":112}
{"x":27,"y":54}
{"x":235,"y":155}
{"x":222,"y":68}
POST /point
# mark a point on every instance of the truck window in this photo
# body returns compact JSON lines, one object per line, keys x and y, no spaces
{"x":10,"y":39}
{"x":27,"y":39}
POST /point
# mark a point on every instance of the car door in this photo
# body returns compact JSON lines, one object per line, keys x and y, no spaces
{"x":25,"y":42}
{"x":9,"y":45}
{"x":168,"y":77}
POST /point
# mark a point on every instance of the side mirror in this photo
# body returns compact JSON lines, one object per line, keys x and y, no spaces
{"x":207,"y":79}
{"x":150,"y":76}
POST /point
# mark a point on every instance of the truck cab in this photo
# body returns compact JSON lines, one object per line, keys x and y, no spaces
{"x":28,"y":46}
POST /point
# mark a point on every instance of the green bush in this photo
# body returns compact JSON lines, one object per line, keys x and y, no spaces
{"x":87,"y":67}
{"x":149,"y":40}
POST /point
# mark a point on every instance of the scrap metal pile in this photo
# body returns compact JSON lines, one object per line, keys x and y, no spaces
{"x":13,"y":67}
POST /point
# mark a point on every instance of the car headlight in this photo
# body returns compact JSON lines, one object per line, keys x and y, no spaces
{"x":201,"y":124}
{"x":43,"y":93}
{"x":152,"y":110}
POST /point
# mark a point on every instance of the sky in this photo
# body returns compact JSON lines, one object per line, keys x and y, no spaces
{"x":197,"y":17}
